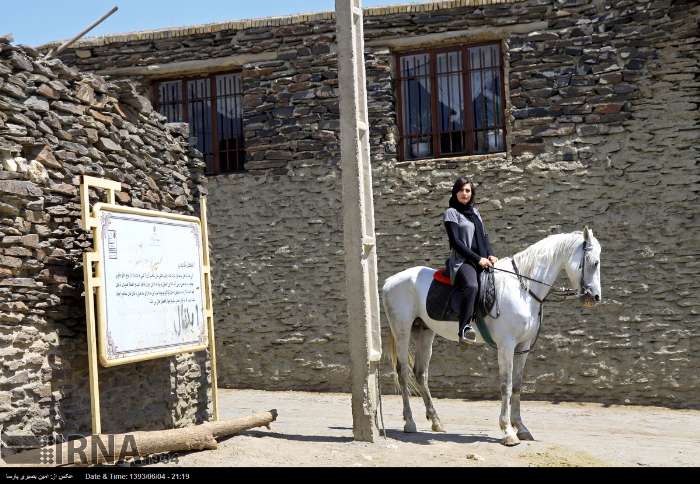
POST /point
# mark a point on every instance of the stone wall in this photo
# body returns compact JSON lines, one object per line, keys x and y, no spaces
{"x":57,"y":124}
{"x":602,"y":126}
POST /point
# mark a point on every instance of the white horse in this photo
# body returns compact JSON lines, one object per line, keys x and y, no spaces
{"x":514,"y":331}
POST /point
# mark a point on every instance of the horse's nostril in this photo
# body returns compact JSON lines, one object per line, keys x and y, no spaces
{"x":597,"y":297}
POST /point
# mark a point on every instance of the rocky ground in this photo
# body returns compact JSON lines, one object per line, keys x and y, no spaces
{"x":315,"y":429}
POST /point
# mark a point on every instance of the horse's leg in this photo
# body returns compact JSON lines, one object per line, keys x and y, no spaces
{"x":505,"y":370}
{"x":403,"y":370}
{"x":424,"y":350}
{"x":515,"y":418}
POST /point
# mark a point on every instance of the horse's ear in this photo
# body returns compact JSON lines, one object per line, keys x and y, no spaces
{"x":586,"y":233}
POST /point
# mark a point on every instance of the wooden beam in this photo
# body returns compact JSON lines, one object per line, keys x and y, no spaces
{"x":477,"y":34}
{"x":189,"y":67}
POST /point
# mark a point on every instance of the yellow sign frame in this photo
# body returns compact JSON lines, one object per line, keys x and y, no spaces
{"x":95,"y":297}
{"x":105,"y":360}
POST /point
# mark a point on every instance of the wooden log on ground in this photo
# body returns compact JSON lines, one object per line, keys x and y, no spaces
{"x":108,"y":448}
{"x":225,"y":428}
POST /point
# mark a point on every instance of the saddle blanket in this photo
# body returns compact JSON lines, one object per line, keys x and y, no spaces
{"x":442,"y":303}
{"x":444,"y":299}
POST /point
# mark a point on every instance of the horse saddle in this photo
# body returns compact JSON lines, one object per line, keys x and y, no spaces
{"x":444,"y":300}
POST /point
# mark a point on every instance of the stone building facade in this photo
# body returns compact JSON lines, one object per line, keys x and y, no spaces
{"x":601,"y":117}
{"x":57,"y":124}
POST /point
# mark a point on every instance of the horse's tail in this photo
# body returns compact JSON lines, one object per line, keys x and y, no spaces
{"x":393,"y":360}
{"x":393,"y":355}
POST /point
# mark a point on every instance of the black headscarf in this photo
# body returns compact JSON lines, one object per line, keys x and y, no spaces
{"x":479,"y":244}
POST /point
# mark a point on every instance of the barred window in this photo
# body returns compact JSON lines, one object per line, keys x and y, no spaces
{"x":450,"y":102}
{"x":213,"y":107}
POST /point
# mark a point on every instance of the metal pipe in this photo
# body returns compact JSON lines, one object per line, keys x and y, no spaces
{"x":77,"y":37}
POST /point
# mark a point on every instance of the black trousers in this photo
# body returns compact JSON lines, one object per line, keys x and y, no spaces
{"x":467,"y":282}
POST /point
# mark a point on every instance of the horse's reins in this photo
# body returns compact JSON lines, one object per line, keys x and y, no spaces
{"x":564,"y":291}
{"x":561,"y":291}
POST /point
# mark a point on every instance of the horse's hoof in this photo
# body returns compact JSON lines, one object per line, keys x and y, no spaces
{"x":510,"y":441}
{"x":410,"y":428}
{"x":437,"y":427}
{"x":525,"y":435}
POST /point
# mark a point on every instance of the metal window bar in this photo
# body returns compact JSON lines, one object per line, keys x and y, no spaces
{"x":199,"y":108}
{"x":489,"y":132}
{"x":468,"y":106}
{"x":416,"y":87}
{"x":450,"y":130}
{"x":229,"y":123}
{"x":399,"y":105}
{"x":434,"y":139}
{"x":489,"y":127}
{"x":170,"y":100}
{"x":212,"y":105}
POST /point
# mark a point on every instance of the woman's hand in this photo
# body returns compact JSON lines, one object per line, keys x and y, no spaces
{"x":485,"y":263}
{"x":493,"y":259}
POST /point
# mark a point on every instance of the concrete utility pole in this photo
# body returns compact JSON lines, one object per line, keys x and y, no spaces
{"x":358,"y":221}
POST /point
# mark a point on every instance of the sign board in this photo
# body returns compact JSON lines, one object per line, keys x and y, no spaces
{"x":147,"y":286}
{"x":152,"y":301}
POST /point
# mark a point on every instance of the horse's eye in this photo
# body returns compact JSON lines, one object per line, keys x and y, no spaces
{"x":596,"y":263}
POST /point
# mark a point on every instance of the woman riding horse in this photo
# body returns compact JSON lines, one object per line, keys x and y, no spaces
{"x":470,"y":251}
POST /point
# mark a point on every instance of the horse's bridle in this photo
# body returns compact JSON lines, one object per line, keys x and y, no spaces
{"x":587,"y":247}
{"x":583,"y":287}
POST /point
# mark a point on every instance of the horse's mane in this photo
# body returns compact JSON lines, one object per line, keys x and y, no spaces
{"x":546,"y":250}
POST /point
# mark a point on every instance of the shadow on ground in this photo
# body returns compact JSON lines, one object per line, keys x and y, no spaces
{"x":300,"y":438}
{"x":426,"y":438}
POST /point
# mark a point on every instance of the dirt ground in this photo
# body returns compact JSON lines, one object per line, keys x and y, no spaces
{"x":315,"y":429}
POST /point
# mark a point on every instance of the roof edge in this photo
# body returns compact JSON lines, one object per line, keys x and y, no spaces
{"x":175,"y":32}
